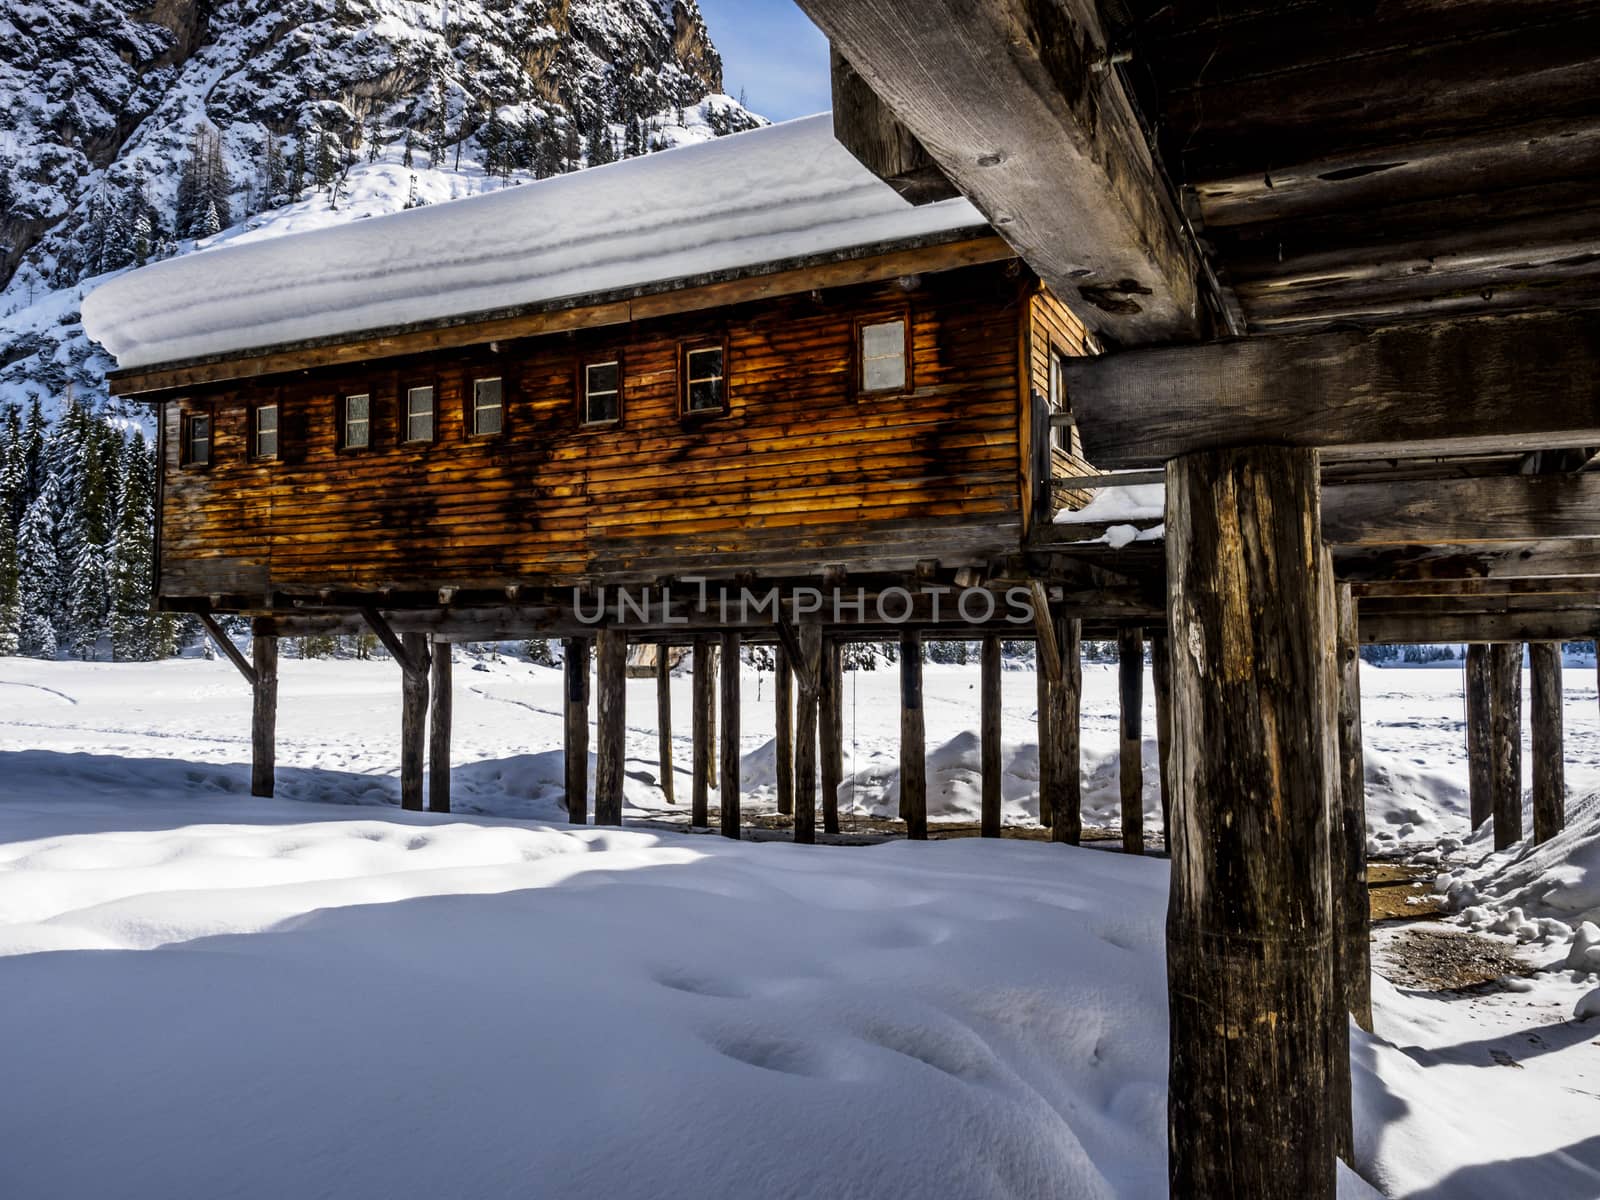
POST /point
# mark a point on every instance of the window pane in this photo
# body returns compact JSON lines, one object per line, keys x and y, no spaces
{"x":886,"y":340}
{"x":885,"y":374}
{"x":602,"y":395}
{"x":605,"y":377}
{"x":883,"y":356}
{"x":705,"y":395}
{"x":357,"y":424}
{"x":600,"y":407}
{"x":486,"y":406}
{"x":267,"y":431}
{"x":705,"y":364}
{"x":706,"y":389}
{"x":200,"y":440}
{"x":419,"y":414}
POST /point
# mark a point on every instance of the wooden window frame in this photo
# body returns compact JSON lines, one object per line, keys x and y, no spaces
{"x":685,"y":351}
{"x":186,"y":418}
{"x":858,"y":355}
{"x":603,"y":359}
{"x":469,"y":405}
{"x":341,"y":409}
{"x":403,"y":411}
{"x":277,"y":431}
{"x":1055,"y":393}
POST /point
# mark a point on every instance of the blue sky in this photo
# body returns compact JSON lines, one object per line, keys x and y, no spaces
{"x":772,"y":51}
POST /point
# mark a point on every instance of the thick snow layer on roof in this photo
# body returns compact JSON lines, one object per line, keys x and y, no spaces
{"x":778,"y":193}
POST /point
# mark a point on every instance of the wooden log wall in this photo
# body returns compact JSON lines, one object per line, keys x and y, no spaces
{"x":1053,"y":329}
{"x":801,"y":464}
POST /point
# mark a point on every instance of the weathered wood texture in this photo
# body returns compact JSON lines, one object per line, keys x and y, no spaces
{"x":1249,"y":926}
{"x":989,"y":737}
{"x":1402,"y":629}
{"x":1505,"y":733}
{"x":1060,"y":758}
{"x":913,"y":743}
{"x":575,"y":668}
{"x":830,"y":731}
{"x":1056,"y":334}
{"x":809,"y":672}
{"x":800,"y":466}
{"x":1545,"y":715}
{"x":1495,"y":508}
{"x":783,"y":748}
{"x":1349,"y":833}
{"x":1130,"y":724}
{"x":728,"y":791}
{"x":701,"y":768}
{"x":611,"y":725}
{"x":441,"y":696}
{"x":1480,"y":739}
{"x":664,"y":724}
{"x":413,"y":720}
{"x":263,"y":715}
{"x":864,"y":125}
{"x":1161,"y":680}
{"x":1456,"y":386}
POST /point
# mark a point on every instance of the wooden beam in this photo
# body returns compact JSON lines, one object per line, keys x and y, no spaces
{"x":611,"y":725}
{"x":1130,"y":753}
{"x":1049,"y":654}
{"x":1249,"y":925}
{"x":1161,"y":677}
{"x":1353,"y":936}
{"x":808,"y":669}
{"x":989,"y":737}
{"x":263,"y":715}
{"x":413,"y":648}
{"x":1489,"y":508}
{"x":705,"y":682}
{"x":830,"y":731}
{"x":913,"y":744}
{"x":1457,"y":386}
{"x":1480,"y":748}
{"x":1505,"y":732}
{"x":1404,"y":629}
{"x":728,"y":792}
{"x":575,"y":668}
{"x":1487,"y":562}
{"x":783,"y":701}
{"x":664,"y":722}
{"x":229,"y":651}
{"x":863,"y":125}
{"x":441,"y":695}
{"x":1545,"y":715}
{"x":1013,"y":101}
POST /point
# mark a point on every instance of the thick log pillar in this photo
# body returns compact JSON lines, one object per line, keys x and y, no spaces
{"x":783,"y":701}
{"x":1480,"y":743}
{"x":1505,"y":740}
{"x":1161,"y":678}
{"x":1549,"y":771}
{"x":1066,"y":733}
{"x":989,"y":736}
{"x":713,"y":664}
{"x":413,"y":719}
{"x":439,"y":721}
{"x":830,"y":721}
{"x":611,"y":725}
{"x":664,"y":723}
{"x":576,"y":669}
{"x":701,"y":768}
{"x":1353,"y":966}
{"x":729,"y":789}
{"x":264,"y":714}
{"x":809,"y":670}
{"x":1251,"y":1113}
{"x":913,"y":748}
{"x":1130,"y":687}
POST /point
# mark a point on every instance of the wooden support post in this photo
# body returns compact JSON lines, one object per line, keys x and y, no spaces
{"x":1549,"y":773}
{"x":263,"y":714}
{"x":664,"y":722}
{"x":783,"y":701}
{"x":730,"y":736}
{"x":1348,"y":845}
{"x":1249,"y":925}
{"x":1505,"y":734}
{"x":1130,"y":688}
{"x":413,"y":718}
{"x":989,"y":736}
{"x":913,"y":748}
{"x":809,"y":671}
{"x":1480,"y":742}
{"x":1046,"y":684}
{"x":610,"y":725}
{"x":701,"y":767}
{"x":713,"y":665}
{"x":439,"y":719}
{"x":830,"y":731}
{"x":1161,"y":677}
{"x":1060,"y":765}
{"x":576,"y":669}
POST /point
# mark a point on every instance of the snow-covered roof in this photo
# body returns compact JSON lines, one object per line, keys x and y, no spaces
{"x":780,"y":193}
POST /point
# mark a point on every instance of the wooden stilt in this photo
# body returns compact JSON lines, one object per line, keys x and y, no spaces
{"x":1161,"y":677}
{"x":1249,"y":928}
{"x":1505,"y":731}
{"x":809,"y":671}
{"x":711,"y":765}
{"x":1480,"y":743}
{"x":1047,"y":680}
{"x":830,"y":731}
{"x":701,"y":768}
{"x":611,"y":726}
{"x":1130,"y":688}
{"x":1331,"y":679}
{"x":783,"y":701}
{"x":730,"y":735}
{"x":664,"y":723}
{"x":263,"y":715}
{"x":989,"y":736}
{"x":439,"y":719}
{"x":576,"y":669}
{"x":413,"y":718}
{"x":1549,"y":771}
{"x":1349,"y":834}
{"x":1065,"y":756}
{"x":913,"y":748}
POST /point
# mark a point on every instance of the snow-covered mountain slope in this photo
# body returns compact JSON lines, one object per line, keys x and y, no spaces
{"x":129,"y":133}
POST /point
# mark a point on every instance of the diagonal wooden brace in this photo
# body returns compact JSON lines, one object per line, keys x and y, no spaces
{"x":391,"y":643}
{"x":229,"y":650}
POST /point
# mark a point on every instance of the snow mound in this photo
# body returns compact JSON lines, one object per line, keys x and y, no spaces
{"x":1528,"y":885}
{"x":783,"y":192}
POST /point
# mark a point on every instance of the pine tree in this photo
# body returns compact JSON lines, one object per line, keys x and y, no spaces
{"x":408,"y":159}
{"x":297,"y":171}
{"x":135,"y":635}
{"x":36,"y":576}
{"x":271,"y":176}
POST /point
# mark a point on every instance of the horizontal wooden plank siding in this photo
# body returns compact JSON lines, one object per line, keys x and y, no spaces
{"x":802,"y":471}
{"x":1053,"y":329}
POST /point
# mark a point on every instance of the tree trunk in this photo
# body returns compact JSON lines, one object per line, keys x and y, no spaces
{"x":413,"y":720}
{"x":830,"y":723}
{"x":1130,"y":687}
{"x":439,"y":721}
{"x":1161,"y":677}
{"x":611,"y":725}
{"x":576,"y":670}
{"x":783,"y":701}
{"x":913,"y":748}
{"x":1549,"y":770}
{"x":805,"y":735}
{"x":664,"y":723}
{"x":989,"y":737}
{"x":1505,"y":729}
{"x":1480,"y":742}
{"x":1349,"y":840}
{"x":1251,"y":1112}
{"x":729,"y":791}
{"x":264,"y":716}
{"x":701,"y":768}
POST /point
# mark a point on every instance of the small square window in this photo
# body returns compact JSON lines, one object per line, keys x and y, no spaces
{"x":266,"y":431}
{"x":705,"y":387}
{"x":602,"y":393}
{"x":419,"y":414}
{"x":357,"y":422}
{"x":1060,"y":435}
{"x":883,"y":357}
{"x":488,"y":411}
{"x":196,"y":450}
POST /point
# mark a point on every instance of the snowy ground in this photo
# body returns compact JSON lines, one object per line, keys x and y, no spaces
{"x":223,"y":996}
